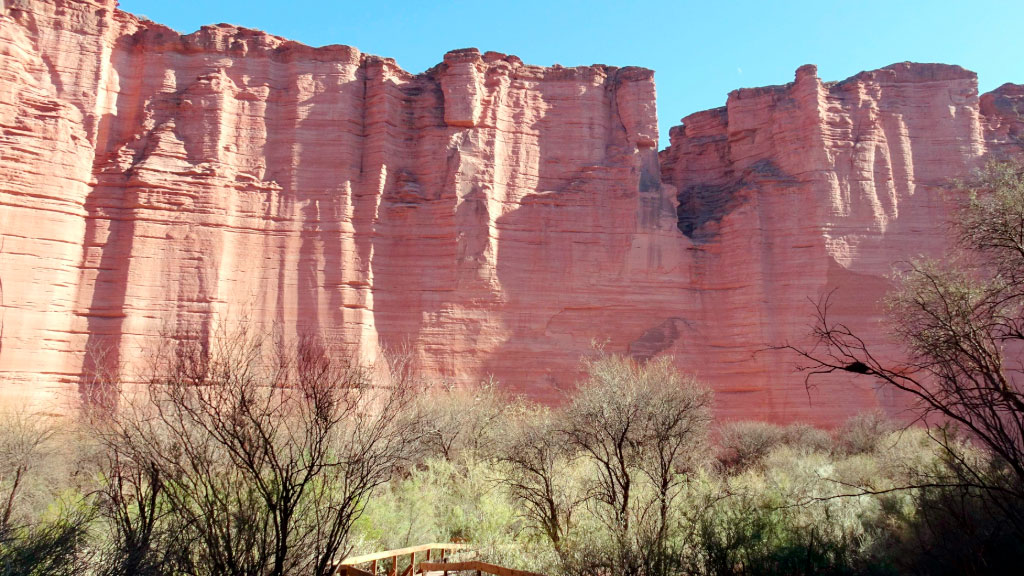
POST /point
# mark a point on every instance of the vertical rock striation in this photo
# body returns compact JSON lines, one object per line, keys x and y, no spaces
{"x":797,"y":191}
{"x":493,"y":217}
{"x":157,"y":184}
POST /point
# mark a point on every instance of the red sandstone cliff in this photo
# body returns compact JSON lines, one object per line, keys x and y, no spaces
{"x":495,"y":217}
{"x":790,"y":192}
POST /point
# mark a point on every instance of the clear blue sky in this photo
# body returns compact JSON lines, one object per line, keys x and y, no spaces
{"x":700,"y":51}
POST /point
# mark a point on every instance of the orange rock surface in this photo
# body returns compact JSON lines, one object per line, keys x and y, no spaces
{"x":494,"y":217}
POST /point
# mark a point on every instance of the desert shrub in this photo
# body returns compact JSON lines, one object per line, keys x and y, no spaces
{"x":864,"y":433}
{"x":408,"y":510}
{"x":745,"y":444}
{"x":950,"y":527}
{"x":442,"y":501}
{"x":792,"y":515}
{"x":808,"y":438}
{"x":30,"y":471}
{"x":47,"y":547}
{"x":753,"y":539}
{"x":646,"y":546}
{"x":958,"y":530}
{"x":45,"y":516}
{"x":462,"y":422}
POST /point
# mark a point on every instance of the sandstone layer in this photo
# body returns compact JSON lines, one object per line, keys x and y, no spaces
{"x":493,"y":217}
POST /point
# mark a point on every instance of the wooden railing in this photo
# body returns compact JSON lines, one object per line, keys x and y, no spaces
{"x":473,"y":565}
{"x":350,"y":566}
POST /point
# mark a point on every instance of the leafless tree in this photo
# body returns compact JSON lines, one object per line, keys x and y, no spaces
{"x":462,"y":421}
{"x":962,"y":320}
{"x":261,"y":451}
{"x":538,"y":471}
{"x":638,"y":420}
{"x":23,"y":441}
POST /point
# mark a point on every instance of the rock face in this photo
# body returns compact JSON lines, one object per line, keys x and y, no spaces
{"x":792,"y":192}
{"x":494,"y":217}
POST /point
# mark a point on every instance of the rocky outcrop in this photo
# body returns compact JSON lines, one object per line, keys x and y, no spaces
{"x":494,"y":217}
{"x":793,"y":192}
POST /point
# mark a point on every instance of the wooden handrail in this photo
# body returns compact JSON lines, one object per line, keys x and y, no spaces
{"x":401,"y":552}
{"x":347,"y":566}
{"x":474,"y":565}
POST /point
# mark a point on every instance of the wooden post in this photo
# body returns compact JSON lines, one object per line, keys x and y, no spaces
{"x":394,"y":566}
{"x":373,"y":568}
{"x":428,"y":554}
{"x":412,"y":564}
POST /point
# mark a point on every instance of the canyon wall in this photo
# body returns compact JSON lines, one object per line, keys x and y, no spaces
{"x":811,"y":189}
{"x":494,"y":218}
